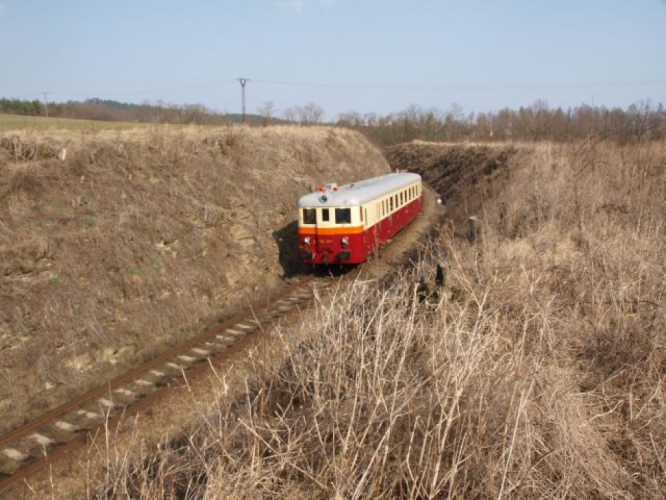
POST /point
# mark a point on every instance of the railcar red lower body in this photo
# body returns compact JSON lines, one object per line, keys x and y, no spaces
{"x":345,"y":246}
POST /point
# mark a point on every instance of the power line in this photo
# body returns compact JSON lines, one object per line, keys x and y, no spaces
{"x":372,"y":86}
{"x":365,"y":86}
{"x":466,"y":86}
{"x":154,"y":91}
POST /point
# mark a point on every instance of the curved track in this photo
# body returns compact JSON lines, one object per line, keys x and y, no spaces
{"x":43,"y":441}
{"x":33,"y":446}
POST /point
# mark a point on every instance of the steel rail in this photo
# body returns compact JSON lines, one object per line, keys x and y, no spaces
{"x":58,"y":449}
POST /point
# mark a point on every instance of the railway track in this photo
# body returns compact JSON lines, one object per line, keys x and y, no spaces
{"x":39,"y":443}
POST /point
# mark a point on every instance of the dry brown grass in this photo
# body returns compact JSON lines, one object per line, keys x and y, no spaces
{"x":141,"y":238}
{"x":538,"y":375}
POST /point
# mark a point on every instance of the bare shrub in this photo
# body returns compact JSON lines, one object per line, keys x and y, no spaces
{"x":539,"y":374}
{"x":141,"y":238}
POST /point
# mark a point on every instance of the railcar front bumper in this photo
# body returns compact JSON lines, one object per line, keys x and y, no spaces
{"x":325,"y":258}
{"x":342,"y":256}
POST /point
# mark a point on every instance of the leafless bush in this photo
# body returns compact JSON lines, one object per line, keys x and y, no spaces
{"x":538,"y":375}
{"x":140,"y":238}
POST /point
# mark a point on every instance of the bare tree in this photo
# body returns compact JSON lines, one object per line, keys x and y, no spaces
{"x":454,"y":122}
{"x":370,"y":119}
{"x":639,"y":116}
{"x":290,"y":114}
{"x":350,"y":119}
{"x":266,"y":111}
{"x":311,"y":113}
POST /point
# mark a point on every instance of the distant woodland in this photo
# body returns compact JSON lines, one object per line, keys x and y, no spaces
{"x":641,"y":121}
{"x":109,"y":110}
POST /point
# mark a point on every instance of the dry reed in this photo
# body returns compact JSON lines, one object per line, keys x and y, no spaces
{"x":539,"y":373}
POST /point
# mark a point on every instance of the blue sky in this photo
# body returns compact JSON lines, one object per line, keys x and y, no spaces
{"x":363,"y":55}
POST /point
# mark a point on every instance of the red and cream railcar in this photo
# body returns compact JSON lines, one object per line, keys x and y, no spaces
{"x":343,"y":225}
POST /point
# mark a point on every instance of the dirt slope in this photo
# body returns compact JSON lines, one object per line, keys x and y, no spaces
{"x":115,"y":245}
{"x":463,"y":175}
{"x":539,"y":373}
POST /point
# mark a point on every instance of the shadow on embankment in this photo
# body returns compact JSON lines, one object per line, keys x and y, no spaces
{"x":287,"y":242}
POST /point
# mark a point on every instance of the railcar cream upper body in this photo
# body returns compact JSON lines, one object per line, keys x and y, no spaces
{"x":344,"y":224}
{"x":319,"y":209}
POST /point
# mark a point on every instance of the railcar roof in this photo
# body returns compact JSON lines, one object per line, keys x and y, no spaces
{"x":360,"y":192}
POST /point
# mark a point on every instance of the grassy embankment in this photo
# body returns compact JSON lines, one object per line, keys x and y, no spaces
{"x":539,"y":373}
{"x":115,"y":245}
{"x":40,"y":123}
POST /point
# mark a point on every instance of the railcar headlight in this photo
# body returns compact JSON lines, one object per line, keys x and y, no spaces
{"x":306,"y":240}
{"x":345,"y":241}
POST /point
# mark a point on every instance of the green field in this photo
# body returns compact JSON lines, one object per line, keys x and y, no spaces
{"x":19,"y":122}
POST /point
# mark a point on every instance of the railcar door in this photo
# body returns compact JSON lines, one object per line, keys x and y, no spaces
{"x":322,"y":242}
{"x":390,"y":217}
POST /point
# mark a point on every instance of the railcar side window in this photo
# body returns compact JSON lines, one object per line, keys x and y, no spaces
{"x":324,"y":215}
{"x":391,"y":202}
{"x":309,"y":216}
{"x":343,"y":215}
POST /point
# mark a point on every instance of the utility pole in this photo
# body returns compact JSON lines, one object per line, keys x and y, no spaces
{"x":46,"y":102}
{"x":243,"y":82}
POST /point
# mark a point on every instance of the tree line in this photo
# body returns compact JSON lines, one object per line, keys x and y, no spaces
{"x":18,"y":107}
{"x":161,"y":112}
{"x":110,"y":110}
{"x":537,"y":122}
{"x":640,"y":121}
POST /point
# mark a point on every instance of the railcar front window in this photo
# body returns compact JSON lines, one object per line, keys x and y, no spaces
{"x":309,"y":216}
{"x":324,"y":215}
{"x":343,"y":216}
